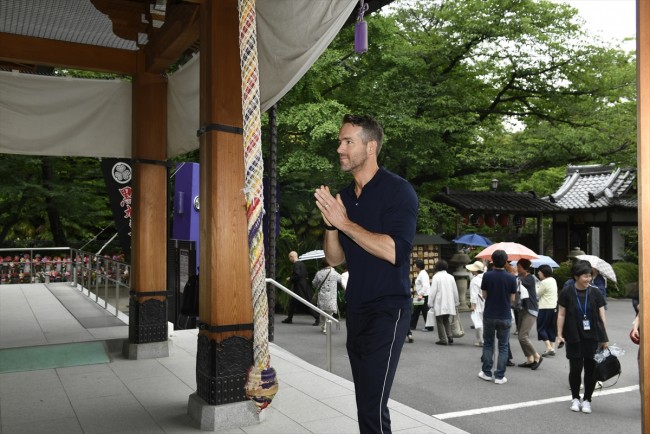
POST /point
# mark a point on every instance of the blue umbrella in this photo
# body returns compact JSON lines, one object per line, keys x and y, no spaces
{"x":473,"y":240}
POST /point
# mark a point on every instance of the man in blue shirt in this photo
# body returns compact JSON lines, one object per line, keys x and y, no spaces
{"x":370,"y":225}
{"x":499,"y":288}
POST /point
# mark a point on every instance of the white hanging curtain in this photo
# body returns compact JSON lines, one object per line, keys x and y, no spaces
{"x":42,"y":115}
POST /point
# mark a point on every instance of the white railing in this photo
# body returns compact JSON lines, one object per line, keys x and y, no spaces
{"x":328,"y":319}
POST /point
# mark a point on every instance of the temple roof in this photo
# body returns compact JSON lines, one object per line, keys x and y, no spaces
{"x":596,"y":187}
{"x":423,"y":239}
{"x":496,"y":202}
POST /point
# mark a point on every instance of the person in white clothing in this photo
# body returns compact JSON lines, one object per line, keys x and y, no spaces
{"x":443,"y":297}
{"x":476,"y":299}
{"x":325,"y":284}
{"x":345,"y":275}
{"x":420,"y":294}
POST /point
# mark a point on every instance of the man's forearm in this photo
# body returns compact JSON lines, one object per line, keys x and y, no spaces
{"x":332,"y":247}
{"x":380,"y":245}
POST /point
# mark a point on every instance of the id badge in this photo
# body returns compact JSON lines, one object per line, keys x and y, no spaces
{"x":586,"y":325}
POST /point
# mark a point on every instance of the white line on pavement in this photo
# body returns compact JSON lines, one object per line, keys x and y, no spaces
{"x":484,"y":410}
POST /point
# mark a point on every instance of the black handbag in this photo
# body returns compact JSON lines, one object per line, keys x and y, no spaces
{"x":607,"y":368}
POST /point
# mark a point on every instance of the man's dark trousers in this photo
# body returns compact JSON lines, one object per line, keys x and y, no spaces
{"x":420,"y":309}
{"x":295,"y":305}
{"x":374,"y":343}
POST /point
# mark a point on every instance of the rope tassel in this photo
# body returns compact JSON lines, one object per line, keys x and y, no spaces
{"x":261,"y":383}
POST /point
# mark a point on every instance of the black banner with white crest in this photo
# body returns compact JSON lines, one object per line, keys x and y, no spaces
{"x":118,"y":175}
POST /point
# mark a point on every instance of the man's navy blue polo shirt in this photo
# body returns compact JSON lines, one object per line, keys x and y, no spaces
{"x":387,"y":205}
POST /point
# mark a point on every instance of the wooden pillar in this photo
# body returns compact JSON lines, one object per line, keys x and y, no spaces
{"x":643,"y":160}
{"x":148,"y":304}
{"x":225,"y":345}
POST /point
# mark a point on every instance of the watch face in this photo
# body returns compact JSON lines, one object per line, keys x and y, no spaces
{"x":196,"y":203}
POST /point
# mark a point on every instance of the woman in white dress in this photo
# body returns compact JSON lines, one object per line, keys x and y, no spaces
{"x":476,"y":299}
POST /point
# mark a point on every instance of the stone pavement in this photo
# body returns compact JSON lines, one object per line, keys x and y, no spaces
{"x":150,"y":396}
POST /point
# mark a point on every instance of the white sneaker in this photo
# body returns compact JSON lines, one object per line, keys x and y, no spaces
{"x":484,"y":376}
{"x":586,"y":407}
{"x":503,"y":380}
{"x":575,"y":404}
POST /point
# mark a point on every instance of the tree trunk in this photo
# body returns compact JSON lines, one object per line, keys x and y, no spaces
{"x":53,"y":215}
{"x":12,"y":220}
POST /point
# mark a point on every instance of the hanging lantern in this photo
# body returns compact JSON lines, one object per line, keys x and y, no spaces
{"x":476,"y":220}
{"x":518,"y":220}
{"x":503,"y":220}
{"x":466,"y":219}
{"x":361,"y":30}
{"x":490,"y":220}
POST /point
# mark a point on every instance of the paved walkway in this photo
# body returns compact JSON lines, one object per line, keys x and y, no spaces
{"x":150,"y":396}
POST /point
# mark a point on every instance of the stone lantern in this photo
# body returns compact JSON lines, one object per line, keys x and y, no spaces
{"x":576,"y":251}
{"x":457,"y":269}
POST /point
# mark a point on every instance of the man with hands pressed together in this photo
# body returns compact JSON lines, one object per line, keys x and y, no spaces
{"x":370,"y":225}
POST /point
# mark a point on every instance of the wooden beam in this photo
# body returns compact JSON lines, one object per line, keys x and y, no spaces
{"x":149,"y":218}
{"x":643,"y":160}
{"x":225,"y":286}
{"x":39,"y":51}
{"x":125,"y":16}
{"x":180,"y":31}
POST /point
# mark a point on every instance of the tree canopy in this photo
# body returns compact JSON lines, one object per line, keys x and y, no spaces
{"x":467,"y":91}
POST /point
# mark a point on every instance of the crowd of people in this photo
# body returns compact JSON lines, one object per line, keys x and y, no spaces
{"x":370,"y":225}
{"x":573,"y":316}
{"x":502,"y":295}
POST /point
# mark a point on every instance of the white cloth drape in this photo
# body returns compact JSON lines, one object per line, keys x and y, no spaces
{"x":42,"y":115}
{"x":80,"y":117}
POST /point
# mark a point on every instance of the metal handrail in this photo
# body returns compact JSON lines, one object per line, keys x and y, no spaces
{"x":328,"y":318}
{"x":88,"y":272}
{"x":92,"y":273}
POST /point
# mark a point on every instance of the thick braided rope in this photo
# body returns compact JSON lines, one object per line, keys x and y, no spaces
{"x":262,"y":383}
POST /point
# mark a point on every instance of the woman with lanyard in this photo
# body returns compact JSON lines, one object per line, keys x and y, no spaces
{"x":581,"y":325}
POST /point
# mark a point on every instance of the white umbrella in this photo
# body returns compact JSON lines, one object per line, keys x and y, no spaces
{"x":601,"y":265}
{"x":314,"y":254}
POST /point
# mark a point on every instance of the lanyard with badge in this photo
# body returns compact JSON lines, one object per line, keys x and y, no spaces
{"x":586,"y":325}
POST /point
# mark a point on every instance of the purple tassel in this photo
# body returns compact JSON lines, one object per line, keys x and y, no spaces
{"x":361,"y":30}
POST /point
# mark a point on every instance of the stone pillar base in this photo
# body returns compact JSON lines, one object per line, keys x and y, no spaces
{"x":152,"y":350}
{"x":222,"y":417}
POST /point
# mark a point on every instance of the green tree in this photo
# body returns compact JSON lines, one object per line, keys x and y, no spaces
{"x":467,"y":90}
{"x":58,"y":200}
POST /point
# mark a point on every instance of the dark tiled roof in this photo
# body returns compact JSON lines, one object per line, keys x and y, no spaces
{"x":422,"y":239}
{"x":496,"y":202}
{"x":596,"y":187}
